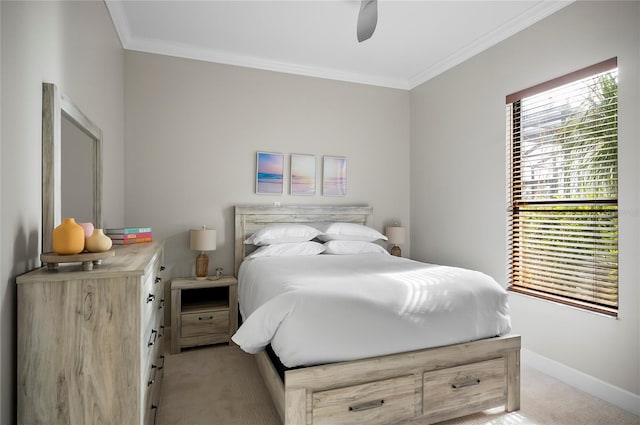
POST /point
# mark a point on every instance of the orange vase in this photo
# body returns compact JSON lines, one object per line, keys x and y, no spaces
{"x":98,"y":241}
{"x":68,"y":237}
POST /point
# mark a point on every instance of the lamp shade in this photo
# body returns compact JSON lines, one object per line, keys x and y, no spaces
{"x":395,"y":234}
{"x":202,"y":239}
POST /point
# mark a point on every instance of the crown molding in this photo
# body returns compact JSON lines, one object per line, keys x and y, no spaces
{"x":228,"y":58}
{"x":120,"y":22}
{"x":130,"y":42}
{"x":530,"y":17}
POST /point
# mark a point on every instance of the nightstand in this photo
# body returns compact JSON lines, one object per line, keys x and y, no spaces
{"x":203,"y":311}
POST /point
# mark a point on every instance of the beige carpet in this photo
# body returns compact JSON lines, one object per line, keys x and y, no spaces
{"x":221,"y":385}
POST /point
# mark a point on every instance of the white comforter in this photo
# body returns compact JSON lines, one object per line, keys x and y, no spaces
{"x":328,"y":308}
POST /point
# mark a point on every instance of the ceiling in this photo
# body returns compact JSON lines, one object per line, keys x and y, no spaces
{"x":413,"y":42}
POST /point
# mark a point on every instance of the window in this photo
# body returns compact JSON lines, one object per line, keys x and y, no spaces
{"x":563,"y":191}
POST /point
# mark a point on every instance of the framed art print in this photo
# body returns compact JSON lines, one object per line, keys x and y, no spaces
{"x":303,"y":174}
{"x":334,"y":176}
{"x":269,"y":173}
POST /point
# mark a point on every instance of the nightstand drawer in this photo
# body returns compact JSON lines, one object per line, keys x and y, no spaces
{"x":205,"y":323}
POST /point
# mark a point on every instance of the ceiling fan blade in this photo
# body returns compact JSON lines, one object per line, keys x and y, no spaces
{"x":367,"y":19}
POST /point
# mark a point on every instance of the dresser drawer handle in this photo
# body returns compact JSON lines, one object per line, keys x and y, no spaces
{"x":466,"y":384}
{"x":161,"y":334}
{"x":366,"y":406}
{"x":154,"y":408}
{"x":162,"y":268}
{"x":155,"y":371}
{"x":161,"y":306}
{"x":205,"y":318}
{"x":158,"y":280}
{"x":162,"y":365}
{"x":150,"y":298}
{"x":152,"y":337}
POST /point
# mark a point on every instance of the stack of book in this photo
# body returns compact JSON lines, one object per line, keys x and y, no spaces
{"x":130,"y":235}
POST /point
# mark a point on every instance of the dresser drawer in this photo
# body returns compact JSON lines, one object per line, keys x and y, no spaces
{"x":473,"y":386}
{"x":151,"y":354}
{"x":152,"y":294}
{"x":152,"y":387}
{"x":152,"y":339}
{"x":205,"y":323}
{"x":380,"y":402}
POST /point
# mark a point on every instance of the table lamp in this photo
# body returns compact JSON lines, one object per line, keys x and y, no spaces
{"x":395,"y":235}
{"x":202,"y":240}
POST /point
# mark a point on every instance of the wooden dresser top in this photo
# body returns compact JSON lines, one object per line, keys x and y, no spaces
{"x":130,"y":260}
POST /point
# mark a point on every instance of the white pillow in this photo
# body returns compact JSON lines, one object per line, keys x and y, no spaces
{"x":349,"y":232}
{"x":287,"y":249}
{"x":282,"y":233}
{"x":352,"y":247}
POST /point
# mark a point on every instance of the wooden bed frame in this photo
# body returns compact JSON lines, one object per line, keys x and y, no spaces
{"x":434,"y":384}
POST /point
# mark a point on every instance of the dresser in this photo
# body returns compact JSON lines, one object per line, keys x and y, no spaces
{"x":90,"y":343}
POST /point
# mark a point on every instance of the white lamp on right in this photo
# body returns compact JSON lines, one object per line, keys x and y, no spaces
{"x":396,"y":236}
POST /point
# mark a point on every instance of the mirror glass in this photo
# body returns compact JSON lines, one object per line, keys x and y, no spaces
{"x":71,"y":164}
{"x":76,"y":184}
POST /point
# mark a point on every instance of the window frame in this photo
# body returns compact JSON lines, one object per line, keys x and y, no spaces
{"x":514,"y":126}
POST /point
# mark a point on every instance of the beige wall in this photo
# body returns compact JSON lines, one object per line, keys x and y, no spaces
{"x":193,"y":130}
{"x":74,"y":45}
{"x":458,"y":178}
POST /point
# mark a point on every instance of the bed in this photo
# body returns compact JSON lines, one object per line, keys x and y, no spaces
{"x":432,"y":384}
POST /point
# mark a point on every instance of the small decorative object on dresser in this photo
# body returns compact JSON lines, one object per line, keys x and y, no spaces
{"x":88,"y":259}
{"x":88,"y":229}
{"x":90,"y":344}
{"x":97,"y":242}
{"x":203,"y":311}
{"x":68,"y":237}
{"x":396,"y":235}
{"x":130,"y":235}
{"x":202,"y":240}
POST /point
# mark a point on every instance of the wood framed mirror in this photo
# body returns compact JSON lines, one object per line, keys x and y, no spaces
{"x":71,"y":164}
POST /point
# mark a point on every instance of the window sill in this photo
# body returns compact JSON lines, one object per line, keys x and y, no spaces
{"x":605,"y":311}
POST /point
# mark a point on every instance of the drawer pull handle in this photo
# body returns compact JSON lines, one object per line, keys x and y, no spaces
{"x":152,"y":381}
{"x":466,"y":384}
{"x":150,"y":298}
{"x":158,"y":279}
{"x":161,"y":304}
{"x":162,"y":365}
{"x":366,"y":406}
{"x":152,"y":337}
{"x":205,"y":318}
{"x":154,"y":409}
{"x":162,"y":268}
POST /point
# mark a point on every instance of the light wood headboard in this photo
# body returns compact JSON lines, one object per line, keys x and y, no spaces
{"x":250,"y":218}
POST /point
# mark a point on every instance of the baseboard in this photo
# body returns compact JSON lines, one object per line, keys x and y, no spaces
{"x":617,"y":396}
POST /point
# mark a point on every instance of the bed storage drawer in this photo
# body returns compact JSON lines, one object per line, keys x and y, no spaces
{"x":380,"y":402}
{"x":468,"y":387}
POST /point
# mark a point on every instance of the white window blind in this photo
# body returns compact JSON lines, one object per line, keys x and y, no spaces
{"x":563,"y":193}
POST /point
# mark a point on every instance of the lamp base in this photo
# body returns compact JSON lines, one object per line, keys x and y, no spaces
{"x":202,"y":266}
{"x":395,"y":250}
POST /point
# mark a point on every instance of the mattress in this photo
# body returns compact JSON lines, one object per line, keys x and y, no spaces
{"x":328,"y":308}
